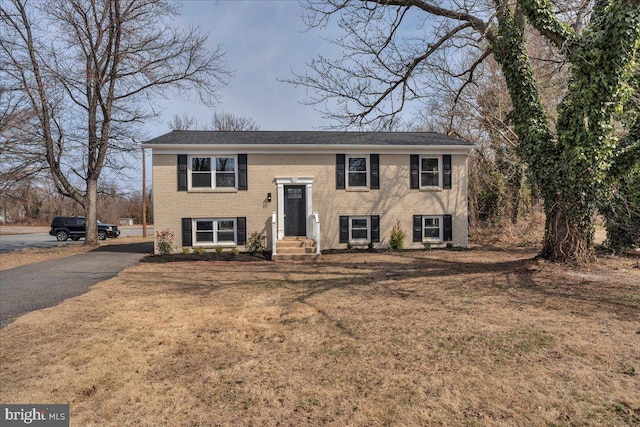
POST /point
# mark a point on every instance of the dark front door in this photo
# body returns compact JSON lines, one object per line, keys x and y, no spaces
{"x":295,"y":210}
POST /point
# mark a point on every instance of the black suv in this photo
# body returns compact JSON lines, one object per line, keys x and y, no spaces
{"x":64,"y":227}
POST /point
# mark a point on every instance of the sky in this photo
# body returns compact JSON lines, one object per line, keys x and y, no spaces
{"x":264,"y":40}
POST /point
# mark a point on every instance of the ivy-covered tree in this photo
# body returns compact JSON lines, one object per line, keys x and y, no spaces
{"x":621,"y":205}
{"x":571,"y":165}
{"x":396,"y":51}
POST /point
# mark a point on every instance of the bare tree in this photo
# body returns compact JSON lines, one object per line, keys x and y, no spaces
{"x":231,"y":122}
{"x":92,"y":83}
{"x":20,"y":156}
{"x":182,"y":122}
{"x":398,"y":51}
{"x":219,"y":121}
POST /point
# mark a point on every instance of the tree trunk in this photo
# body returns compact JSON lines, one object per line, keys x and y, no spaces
{"x":566,"y":239}
{"x":516,"y":187}
{"x":91,"y":213}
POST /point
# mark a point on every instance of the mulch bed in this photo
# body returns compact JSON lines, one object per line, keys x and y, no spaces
{"x":208,"y":256}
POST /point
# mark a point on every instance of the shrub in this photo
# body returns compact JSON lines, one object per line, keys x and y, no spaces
{"x":234,"y":251}
{"x":427,"y":246}
{"x":349,"y":246}
{"x":396,"y":241}
{"x":370,"y":246}
{"x":256,"y":243}
{"x":219,"y":249}
{"x":165,"y":241}
{"x":449,"y":245}
{"x":198,"y":250}
{"x":186,"y":250}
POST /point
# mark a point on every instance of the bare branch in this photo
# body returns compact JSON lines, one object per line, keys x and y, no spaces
{"x":390,"y":46}
{"x":478,"y":24}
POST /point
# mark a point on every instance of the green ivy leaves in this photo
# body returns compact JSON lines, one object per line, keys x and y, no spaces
{"x":572,"y":166}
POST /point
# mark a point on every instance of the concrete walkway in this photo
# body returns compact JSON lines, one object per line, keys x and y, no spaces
{"x":45,"y":284}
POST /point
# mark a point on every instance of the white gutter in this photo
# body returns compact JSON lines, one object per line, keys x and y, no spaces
{"x":306,"y":148}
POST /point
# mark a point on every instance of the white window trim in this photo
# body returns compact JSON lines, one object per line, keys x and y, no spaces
{"x":213,"y":172}
{"x":360,"y":241}
{"x":440,"y":219}
{"x":367,"y":172}
{"x":431,"y":187}
{"x":194,"y":231}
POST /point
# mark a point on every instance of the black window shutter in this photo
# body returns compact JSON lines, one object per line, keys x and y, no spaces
{"x":186,"y":232}
{"x":447,"y":228}
{"x":241,"y":223}
{"x":182,"y":172}
{"x":344,"y":229}
{"x":374,"y":162}
{"x":446,"y":171}
{"x":340,"y":159}
{"x":375,"y":228}
{"x":242,"y":172}
{"x":417,"y":228}
{"x":415,"y":171}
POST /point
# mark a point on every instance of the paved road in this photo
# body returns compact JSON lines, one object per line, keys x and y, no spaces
{"x":45,"y":284}
{"x":14,"y":242}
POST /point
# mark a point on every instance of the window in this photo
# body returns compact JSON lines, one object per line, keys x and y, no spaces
{"x":429,"y":172}
{"x":432,"y":228}
{"x":359,"y":229}
{"x":357,"y":171}
{"x":225,"y":172}
{"x":213,"y":172}
{"x":204,"y":232}
{"x":226,"y":231}
{"x":201,"y":172}
{"x":214,"y":231}
{"x":294,"y":193}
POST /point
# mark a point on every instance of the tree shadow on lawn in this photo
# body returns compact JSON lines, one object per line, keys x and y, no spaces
{"x":526,"y":280}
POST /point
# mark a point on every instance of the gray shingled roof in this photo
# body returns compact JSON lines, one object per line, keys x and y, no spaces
{"x":196,"y":137}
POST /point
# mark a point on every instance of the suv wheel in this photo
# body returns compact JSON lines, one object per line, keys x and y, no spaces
{"x":102,"y":235}
{"x":62,"y":236}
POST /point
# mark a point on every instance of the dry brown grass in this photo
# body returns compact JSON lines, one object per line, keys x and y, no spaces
{"x":422,"y":338}
{"x":30,"y":256}
{"x":6,"y":230}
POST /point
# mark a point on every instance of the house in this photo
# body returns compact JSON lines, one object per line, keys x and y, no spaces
{"x":125,"y":221}
{"x":313,"y":189}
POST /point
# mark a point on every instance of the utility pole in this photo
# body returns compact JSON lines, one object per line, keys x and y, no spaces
{"x":144,"y":195}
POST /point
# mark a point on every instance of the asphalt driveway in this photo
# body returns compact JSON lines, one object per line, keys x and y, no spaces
{"x":45,"y":284}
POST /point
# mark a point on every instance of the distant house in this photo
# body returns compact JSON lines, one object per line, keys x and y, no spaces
{"x":125,"y":221}
{"x":315,"y":190}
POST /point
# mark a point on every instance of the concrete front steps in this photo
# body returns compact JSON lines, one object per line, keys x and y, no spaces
{"x":295,"y":249}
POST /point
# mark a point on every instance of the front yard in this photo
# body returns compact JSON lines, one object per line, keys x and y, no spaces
{"x":481,"y":337}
